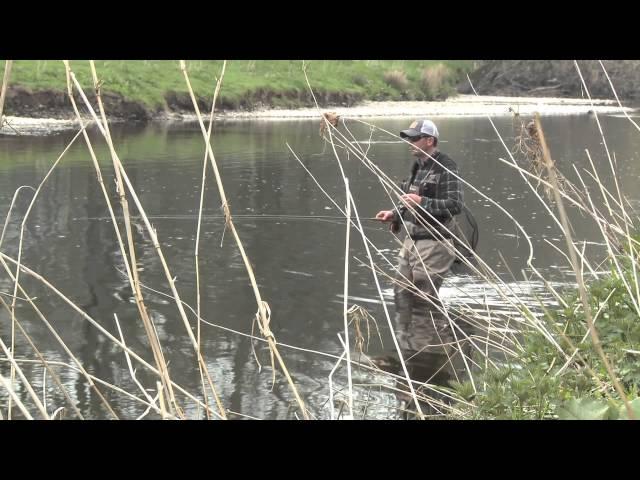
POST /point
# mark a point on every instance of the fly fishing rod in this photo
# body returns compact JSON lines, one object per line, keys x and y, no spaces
{"x":248,"y":216}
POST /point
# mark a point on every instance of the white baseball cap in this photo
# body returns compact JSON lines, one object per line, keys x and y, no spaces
{"x":420,"y":127}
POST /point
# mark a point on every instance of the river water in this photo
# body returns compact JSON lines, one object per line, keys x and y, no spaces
{"x":299,"y":261}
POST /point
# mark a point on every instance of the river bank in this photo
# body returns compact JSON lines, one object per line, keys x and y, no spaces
{"x":467,"y":105}
{"x":461,"y":105}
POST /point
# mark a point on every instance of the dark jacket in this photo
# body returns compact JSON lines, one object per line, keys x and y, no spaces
{"x":437,"y":182}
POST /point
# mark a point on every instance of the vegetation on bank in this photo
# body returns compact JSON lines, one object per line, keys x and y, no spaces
{"x":542,"y":383}
{"x":556,"y":78}
{"x":254,"y":83}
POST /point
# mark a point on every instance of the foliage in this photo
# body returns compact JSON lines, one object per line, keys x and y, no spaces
{"x":247,"y":83}
{"x":541,"y":382}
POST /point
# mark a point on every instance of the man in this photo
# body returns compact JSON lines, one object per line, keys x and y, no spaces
{"x":432,"y":197}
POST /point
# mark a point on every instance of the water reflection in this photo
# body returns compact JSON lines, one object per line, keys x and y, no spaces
{"x":70,"y":240}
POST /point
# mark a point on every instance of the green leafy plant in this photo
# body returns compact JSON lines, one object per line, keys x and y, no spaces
{"x":540,"y":382}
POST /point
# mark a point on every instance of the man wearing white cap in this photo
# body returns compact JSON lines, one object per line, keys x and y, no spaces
{"x":432,"y":197}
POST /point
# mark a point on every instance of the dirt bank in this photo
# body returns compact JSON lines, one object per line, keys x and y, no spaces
{"x":24,"y":102}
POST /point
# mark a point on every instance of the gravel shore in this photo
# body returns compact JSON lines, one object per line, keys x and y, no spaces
{"x":462,"y":105}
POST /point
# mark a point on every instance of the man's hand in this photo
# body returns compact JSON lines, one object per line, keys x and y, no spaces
{"x":411,"y":199}
{"x":385,"y":215}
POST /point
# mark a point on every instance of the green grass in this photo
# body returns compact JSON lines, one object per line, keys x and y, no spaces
{"x":148,"y":80}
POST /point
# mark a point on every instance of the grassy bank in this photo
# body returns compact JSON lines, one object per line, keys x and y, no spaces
{"x":159,"y":84}
{"x":542,"y":383}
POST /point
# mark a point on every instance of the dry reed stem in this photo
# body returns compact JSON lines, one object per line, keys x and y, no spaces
{"x":597,"y":218}
{"x":153,"y":235}
{"x":386,"y":311}
{"x":346,"y":296}
{"x":22,"y":228}
{"x":132,"y":269}
{"x":154,"y":239}
{"x":612,"y":254}
{"x":5,"y":383}
{"x":13,"y":201}
{"x":262,"y":312}
{"x":611,"y":248}
{"x":604,"y":140}
{"x":148,"y":328}
{"x":636,"y":298}
{"x":115,"y":388}
{"x":330,"y":127}
{"x":53,"y":331}
{"x":616,"y":95}
{"x":163,"y":408}
{"x":200,"y":207}
{"x":131,"y":370}
{"x":133,"y":277}
{"x":331,"y":406}
{"x":42,"y":360}
{"x":25,"y":382}
{"x":99,"y":327}
{"x":574,"y":262}
{"x":596,"y":178}
{"x":615,"y":177}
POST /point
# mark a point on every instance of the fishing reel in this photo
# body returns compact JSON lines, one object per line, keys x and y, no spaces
{"x":396,"y":223}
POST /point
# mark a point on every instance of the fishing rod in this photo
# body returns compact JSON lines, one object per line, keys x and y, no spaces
{"x":267,"y":216}
{"x":248,"y":216}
